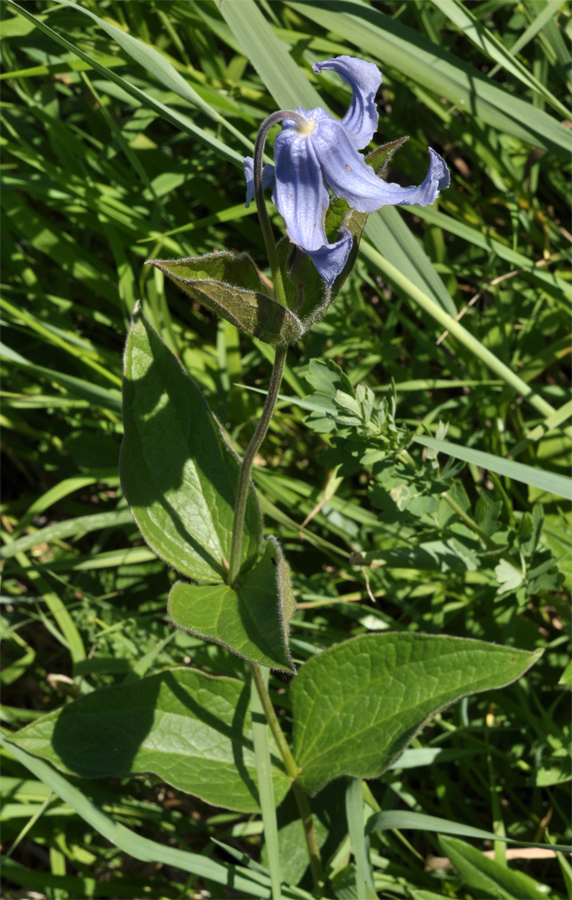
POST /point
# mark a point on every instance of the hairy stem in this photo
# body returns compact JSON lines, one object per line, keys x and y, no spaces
{"x":248,"y":460}
{"x":292,"y":770}
{"x":281,"y":350}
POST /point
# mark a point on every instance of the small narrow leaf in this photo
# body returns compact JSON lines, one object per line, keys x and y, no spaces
{"x":551,"y":482}
{"x":404,"y":819}
{"x":189,"y":729}
{"x":250,"y":619}
{"x":230,"y":286}
{"x":487,"y":878}
{"x":178,"y":471}
{"x":358,"y":705}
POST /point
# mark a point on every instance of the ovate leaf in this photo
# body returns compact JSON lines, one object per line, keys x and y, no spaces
{"x":230,"y":286}
{"x":189,"y":729}
{"x":358,"y":705}
{"x":178,"y":471}
{"x":250,"y":619}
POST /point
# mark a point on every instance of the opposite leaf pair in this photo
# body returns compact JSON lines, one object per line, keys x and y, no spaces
{"x":180,"y":476}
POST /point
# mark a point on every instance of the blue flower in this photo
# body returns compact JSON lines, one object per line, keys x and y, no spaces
{"x":322,"y":153}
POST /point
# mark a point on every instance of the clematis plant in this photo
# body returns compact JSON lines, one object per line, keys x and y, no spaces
{"x":356,"y":705}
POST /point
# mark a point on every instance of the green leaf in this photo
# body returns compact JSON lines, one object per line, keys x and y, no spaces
{"x":237,"y":877}
{"x":546,"y":481}
{"x":508,"y":576}
{"x":326,"y":377}
{"x":189,"y":729}
{"x":178,"y":471}
{"x":450,"y":555}
{"x":487,"y":877}
{"x":270,"y":56}
{"x":566,"y":677}
{"x":230,"y":286}
{"x":356,"y":706}
{"x":250,"y":619}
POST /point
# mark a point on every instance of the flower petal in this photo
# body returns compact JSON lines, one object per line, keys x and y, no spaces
{"x":330,"y":259}
{"x":300,"y":193}
{"x":437,"y":179}
{"x":349,"y":176}
{"x":364,"y":78}
{"x":267,"y":178}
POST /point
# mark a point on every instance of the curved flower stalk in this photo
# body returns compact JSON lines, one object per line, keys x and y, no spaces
{"x":317,"y":153}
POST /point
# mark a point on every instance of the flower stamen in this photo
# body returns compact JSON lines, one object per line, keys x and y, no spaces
{"x":306,"y":127}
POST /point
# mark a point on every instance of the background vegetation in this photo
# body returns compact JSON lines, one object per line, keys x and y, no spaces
{"x":111,"y":156}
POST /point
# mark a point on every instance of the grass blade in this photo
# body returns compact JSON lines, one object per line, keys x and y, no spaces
{"x":546,"y":481}
{"x":461,"y":334}
{"x":270,"y":56}
{"x":265,"y":784}
{"x":179,"y":121}
{"x":468,"y":23}
{"x":136,"y":846}
{"x":435,"y":68}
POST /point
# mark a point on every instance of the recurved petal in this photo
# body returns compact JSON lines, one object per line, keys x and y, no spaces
{"x":300,"y":193}
{"x":364,"y":78}
{"x":349,"y":176}
{"x":437,"y":179}
{"x":267,"y":178}
{"x":330,"y":259}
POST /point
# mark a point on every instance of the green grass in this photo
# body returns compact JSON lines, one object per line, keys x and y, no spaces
{"x":122,"y":139}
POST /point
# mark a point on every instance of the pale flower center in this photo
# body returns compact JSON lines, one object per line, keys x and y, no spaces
{"x":305,"y":128}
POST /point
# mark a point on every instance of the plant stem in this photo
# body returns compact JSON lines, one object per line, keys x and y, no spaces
{"x":248,"y":460}
{"x":292,"y":770}
{"x":487,"y":541}
{"x":309,"y":831}
{"x":281,"y":349}
{"x":290,"y":764}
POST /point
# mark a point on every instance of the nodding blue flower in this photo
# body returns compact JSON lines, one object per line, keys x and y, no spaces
{"x":323,"y":152}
